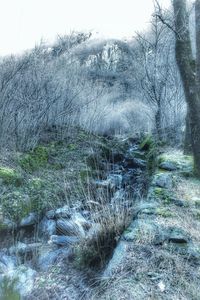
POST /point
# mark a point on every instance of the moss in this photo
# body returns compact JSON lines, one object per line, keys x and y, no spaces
{"x":36,"y":195}
{"x":34,"y":160}
{"x":82,"y":135}
{"x":15,"y":205}
{"x":10,"y":176}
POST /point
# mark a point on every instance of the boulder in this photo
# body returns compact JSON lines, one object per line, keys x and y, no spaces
{"x":29,"y":220}
{"x":48,"y":255}
{"x":82,"y":223}
{"x":23,"y":249}
{"x":63,"y":240}
{"x":23,"y":279}
{"x":177,"y":235}
{"x":7,"y":262}
{"x":47,"y":227}
{"x":69,"y":228}
{"x":7,"y":225}
{"x":63,"y":212}
{"x":179,"y":202}
{"x":113,"y":181}
{"x":50,"y":214}
{"x":117,"y":259}
{"x":146,"y":207}
{"x":163,"y":180}
{"x":144,"y":229}
{"x":168,"y":166}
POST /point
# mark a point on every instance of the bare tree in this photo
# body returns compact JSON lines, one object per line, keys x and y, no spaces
{"x":158,"y":80}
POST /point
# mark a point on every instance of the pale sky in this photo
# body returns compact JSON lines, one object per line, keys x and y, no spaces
{"x":23,"y":23}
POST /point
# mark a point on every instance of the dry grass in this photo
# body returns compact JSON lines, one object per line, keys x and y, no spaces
{"x":146,"y":270}
{"x":188,"y":189}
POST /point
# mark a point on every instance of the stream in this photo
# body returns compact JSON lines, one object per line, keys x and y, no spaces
{"x":40,"y":241}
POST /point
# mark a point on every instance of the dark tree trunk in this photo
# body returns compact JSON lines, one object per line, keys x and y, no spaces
{"x":187,"y":140}
{"x":158,"y":120}
{"x":188,"y":75}
{"x":197,"y":27}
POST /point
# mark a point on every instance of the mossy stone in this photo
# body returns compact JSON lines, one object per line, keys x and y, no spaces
{"x":10,"y":176}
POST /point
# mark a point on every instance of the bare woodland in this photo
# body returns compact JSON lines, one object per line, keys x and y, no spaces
{"x":106,"y":86}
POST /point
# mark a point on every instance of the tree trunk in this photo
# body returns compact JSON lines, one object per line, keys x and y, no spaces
{"x":187,"y":140}
{"x":197,"y":27}
{"x":188,"y":75}
{"x":158,"y":119}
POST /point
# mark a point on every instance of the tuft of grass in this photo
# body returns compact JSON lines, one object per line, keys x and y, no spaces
{"x":94,"y":251}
